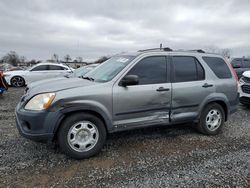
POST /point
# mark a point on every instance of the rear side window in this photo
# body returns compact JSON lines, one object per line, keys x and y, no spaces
{"x":55,"y":67}
{"x":40,"y":68}
{"x":218,"y":66}
{"x":187,"y":69}
{"x":150,"y":70}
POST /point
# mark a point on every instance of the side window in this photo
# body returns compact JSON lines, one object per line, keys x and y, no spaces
{"x":236,"y":63}
{"x":187,"y":69}
{"x":218,"y":66}
{"x":151,"y":70}
{"x":40,"y":68}
{"x":55,"y":67}
{"x":246,"y":63}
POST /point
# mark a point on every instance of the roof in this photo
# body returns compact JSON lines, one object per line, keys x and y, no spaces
{"x":48,"y":63}
{"x":170,"y":51}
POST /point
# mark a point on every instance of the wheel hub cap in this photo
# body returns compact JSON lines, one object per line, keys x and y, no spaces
{"x":213,"y":119}
{"x":83,"y":136}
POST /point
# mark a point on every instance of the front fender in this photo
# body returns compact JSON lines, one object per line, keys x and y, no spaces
{"x":66,"y":107}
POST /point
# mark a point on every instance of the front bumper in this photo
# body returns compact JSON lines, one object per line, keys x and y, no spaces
{"x":37,"y":126}
{"x":244,"y":97}
{"x":7,"y":78}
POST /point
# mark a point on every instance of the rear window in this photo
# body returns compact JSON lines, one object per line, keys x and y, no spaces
{"x":218,"y":66}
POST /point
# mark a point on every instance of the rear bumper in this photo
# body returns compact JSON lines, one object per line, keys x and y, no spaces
{"x":233,"y":105}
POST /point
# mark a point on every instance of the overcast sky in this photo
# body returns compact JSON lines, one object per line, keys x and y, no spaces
{"x":93,"y":28}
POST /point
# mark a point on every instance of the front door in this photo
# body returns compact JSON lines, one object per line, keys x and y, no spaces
{"x":148,"y":102}
{"x":39,"y":72}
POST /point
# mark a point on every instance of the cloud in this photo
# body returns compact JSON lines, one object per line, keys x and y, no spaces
{"x":39,"y":28}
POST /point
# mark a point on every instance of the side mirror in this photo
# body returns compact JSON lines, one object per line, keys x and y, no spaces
{"x":129,"y":80}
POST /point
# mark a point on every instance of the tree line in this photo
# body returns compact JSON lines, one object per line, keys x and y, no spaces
{"x":14,"y":59}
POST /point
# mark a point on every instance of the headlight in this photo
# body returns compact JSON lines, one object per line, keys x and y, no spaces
{"x":40,"y":102}
{"x":241,"y":80}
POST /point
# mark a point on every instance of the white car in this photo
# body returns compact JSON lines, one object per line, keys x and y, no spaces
{"x":244,"y":88}
{"x":40,"y":71}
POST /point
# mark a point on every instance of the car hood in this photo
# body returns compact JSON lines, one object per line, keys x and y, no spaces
{"x":246,"y":74}
{"x":57,"y":84}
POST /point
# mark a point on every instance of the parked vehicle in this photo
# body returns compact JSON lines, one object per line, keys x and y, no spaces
{"x":245,"y":88}
{"x":240,"y":65}
{"x":40,"y":71}
{"x":147,"y":88}
{"x":82,"y":71}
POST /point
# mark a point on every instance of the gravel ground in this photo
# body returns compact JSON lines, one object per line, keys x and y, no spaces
{"x":173,"y":156}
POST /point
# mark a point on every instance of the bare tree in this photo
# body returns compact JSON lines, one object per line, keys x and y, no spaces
{"x":67,"y":58}
{"x":55,"y":57}
{"x":226,"y":53}
{"x":79,"y":59}
{"x":12,"y":58}
{"x":212,"y":49}
{"x":22,"y":59}
{"x":102,"y":59}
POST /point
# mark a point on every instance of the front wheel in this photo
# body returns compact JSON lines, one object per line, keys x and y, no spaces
{"x":82,"y":135}
{"x":17,"y":81}
{"x":212,"y":119}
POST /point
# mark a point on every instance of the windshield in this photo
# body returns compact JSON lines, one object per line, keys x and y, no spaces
{"x":81,"y":71}
{"x":110,"y":68}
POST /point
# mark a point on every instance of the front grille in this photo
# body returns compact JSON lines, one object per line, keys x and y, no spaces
{"x":246,"y":88}
{"x":246,"y":79}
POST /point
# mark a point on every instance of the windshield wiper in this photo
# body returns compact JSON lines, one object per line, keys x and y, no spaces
{"x":88,"y":78}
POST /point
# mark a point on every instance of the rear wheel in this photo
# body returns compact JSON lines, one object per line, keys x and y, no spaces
{"x":17,"y":81}
{"x":212,"y":119}
{"x":81,"y":135}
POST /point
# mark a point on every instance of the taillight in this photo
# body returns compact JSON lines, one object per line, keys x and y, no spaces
{"x":234,"y":73}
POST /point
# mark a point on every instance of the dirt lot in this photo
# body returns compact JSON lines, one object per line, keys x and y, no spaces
{"x":153,"y":157}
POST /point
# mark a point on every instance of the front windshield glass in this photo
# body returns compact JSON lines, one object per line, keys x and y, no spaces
{"x":110,"y":68}
{"x":80,"y":71}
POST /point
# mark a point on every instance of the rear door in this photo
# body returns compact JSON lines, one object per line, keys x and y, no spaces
{"x":190,"y":87}
{"x":148,"y":102}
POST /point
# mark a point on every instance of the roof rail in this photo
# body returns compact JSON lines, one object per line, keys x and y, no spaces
{"x":167,"y":49}
{"x":198,"y":50}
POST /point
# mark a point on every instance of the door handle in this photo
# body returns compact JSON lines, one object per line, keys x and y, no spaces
{"x":207,"y":85}
{"x":162,"y":89}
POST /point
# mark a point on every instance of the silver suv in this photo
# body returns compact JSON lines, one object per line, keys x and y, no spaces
{"x":134,"y":90}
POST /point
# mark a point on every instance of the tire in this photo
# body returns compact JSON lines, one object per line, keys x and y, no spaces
{"x":212,"y":119}
{"x":82,"y":135}
{"x":17,"y":81}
